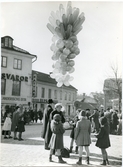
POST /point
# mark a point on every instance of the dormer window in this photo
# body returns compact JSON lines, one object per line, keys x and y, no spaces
{"x":7,"y":41}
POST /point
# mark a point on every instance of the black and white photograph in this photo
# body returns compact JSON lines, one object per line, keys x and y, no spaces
{"x":61,"y":83}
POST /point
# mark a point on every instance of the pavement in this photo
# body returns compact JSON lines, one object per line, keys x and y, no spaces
{"x":31,"y":152}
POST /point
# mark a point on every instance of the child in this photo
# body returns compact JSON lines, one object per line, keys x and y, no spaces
{"x":56,"y":142}
{"x":103,"y":140}
{"x":82,"y":136}
{"x":7,"y":126}
{"x":73,"y":123}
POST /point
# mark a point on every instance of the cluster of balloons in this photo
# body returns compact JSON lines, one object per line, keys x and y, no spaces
{"x":65,"y":25}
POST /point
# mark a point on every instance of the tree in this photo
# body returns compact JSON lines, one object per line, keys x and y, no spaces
{"x":113,"y":86}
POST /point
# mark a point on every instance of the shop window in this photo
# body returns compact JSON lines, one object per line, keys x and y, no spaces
{"x":3,"y":86}
{"x":4,"y":61}
{"x":60,"y":94}
{"x":17,"y":64}
{"x":16,"y":88}
{"x":49,"y":93}
{"x":43,"y":92}
{"x":55,"y":94}
{"x":65,"y":96}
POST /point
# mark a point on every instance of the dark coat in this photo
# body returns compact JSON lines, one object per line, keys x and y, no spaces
{"x":20,"y":126}
{"x":82,"y":132}
{"x":15,"y":119}
{"x":115,"y":121}
{"x":103,"y":140}
{"x":56,"y":141}
{"x":57,"y":112}
{"x":46,"y":130}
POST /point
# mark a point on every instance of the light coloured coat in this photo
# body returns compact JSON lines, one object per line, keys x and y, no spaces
{"x":82,"y":132}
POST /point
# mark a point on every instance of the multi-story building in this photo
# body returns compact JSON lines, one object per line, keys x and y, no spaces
{"x":21,"y":85}
{"x":16,"y":72}
{"x":46,"y":89}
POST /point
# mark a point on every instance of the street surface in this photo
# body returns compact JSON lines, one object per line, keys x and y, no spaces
{"x":31,"y":152}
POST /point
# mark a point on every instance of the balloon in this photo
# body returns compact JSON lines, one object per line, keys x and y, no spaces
{"x":64,"y":26}
{"x":68,"y":43}
{"x":60,"y":43}
{"x":71,"y":56}
{"x":66,"y":51}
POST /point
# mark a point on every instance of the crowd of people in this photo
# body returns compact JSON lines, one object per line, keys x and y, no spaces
{"x":15,"y":121}
{"x":101,"y":123}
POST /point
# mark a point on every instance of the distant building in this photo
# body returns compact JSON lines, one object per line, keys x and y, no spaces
{"x":16,"y":72}
{"x":46,"y":89}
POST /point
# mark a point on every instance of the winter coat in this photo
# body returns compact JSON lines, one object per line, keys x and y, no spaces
{"x":56,"y":141}
{"x":46,"y":130}
{"x":103,"y":140}
{"x":15,"y":119}
{"x":115,"y":121}
{"x":57,"y":112}
{"x":20,"y":125}
{"x":82,"y":132}
{"x":7,"y":124}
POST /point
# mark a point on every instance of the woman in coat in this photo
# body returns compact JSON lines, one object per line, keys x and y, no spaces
{"x":82,"y":136}
{"x":56,"y":142}
{"x":15,"y":119}
{"x":46,"y":130}
{"x":103,"y":140}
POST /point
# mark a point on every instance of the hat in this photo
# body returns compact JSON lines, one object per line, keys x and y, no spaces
{"x":17,"y":107}
{"x":58,"y":104}
{"x":50,"y":101}
{"x":57,"y":117}
{"x":103,"y":120}
{"x":83,"y":113}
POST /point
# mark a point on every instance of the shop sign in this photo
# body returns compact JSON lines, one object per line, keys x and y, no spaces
{"x":14,"y":98}
{"x":14,"y":77}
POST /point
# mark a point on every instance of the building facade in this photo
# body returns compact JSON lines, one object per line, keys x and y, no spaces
{"x":46,"y":89}
{"x":22,"y":85}
{"x":16,"y":82}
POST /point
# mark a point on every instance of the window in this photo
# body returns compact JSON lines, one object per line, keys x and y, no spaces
{"x":16,"y":88}
{"x":17,"y":64}
{"x":3,"y":86}
{"x":65,"y":96}
{"x":73,"y":97}
{"x":69,"y":96}
{"x":55,"y":94}
{"x":49,"y":93}
{"x":4,"y":61}
{"x":43,"y":93}
{"x":60,"y":94}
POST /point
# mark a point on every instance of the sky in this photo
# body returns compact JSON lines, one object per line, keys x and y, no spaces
{"x":100,"y":41}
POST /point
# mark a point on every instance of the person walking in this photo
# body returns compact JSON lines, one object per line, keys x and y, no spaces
{"x":82,"y":136}
{"x":46,"y":130}
{"x":56,"y":142}
{"x":15,"y":120}
{"x":103,"y":141}
{"x":20,"y":125}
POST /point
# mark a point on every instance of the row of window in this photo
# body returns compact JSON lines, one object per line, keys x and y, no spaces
{"x":16,"y":89}
{"x":17,"y":64}
{"x":66,"y":95}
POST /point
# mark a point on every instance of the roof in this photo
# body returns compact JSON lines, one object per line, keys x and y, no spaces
{"x":14,"y":48}
{"x":43,"y":77}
